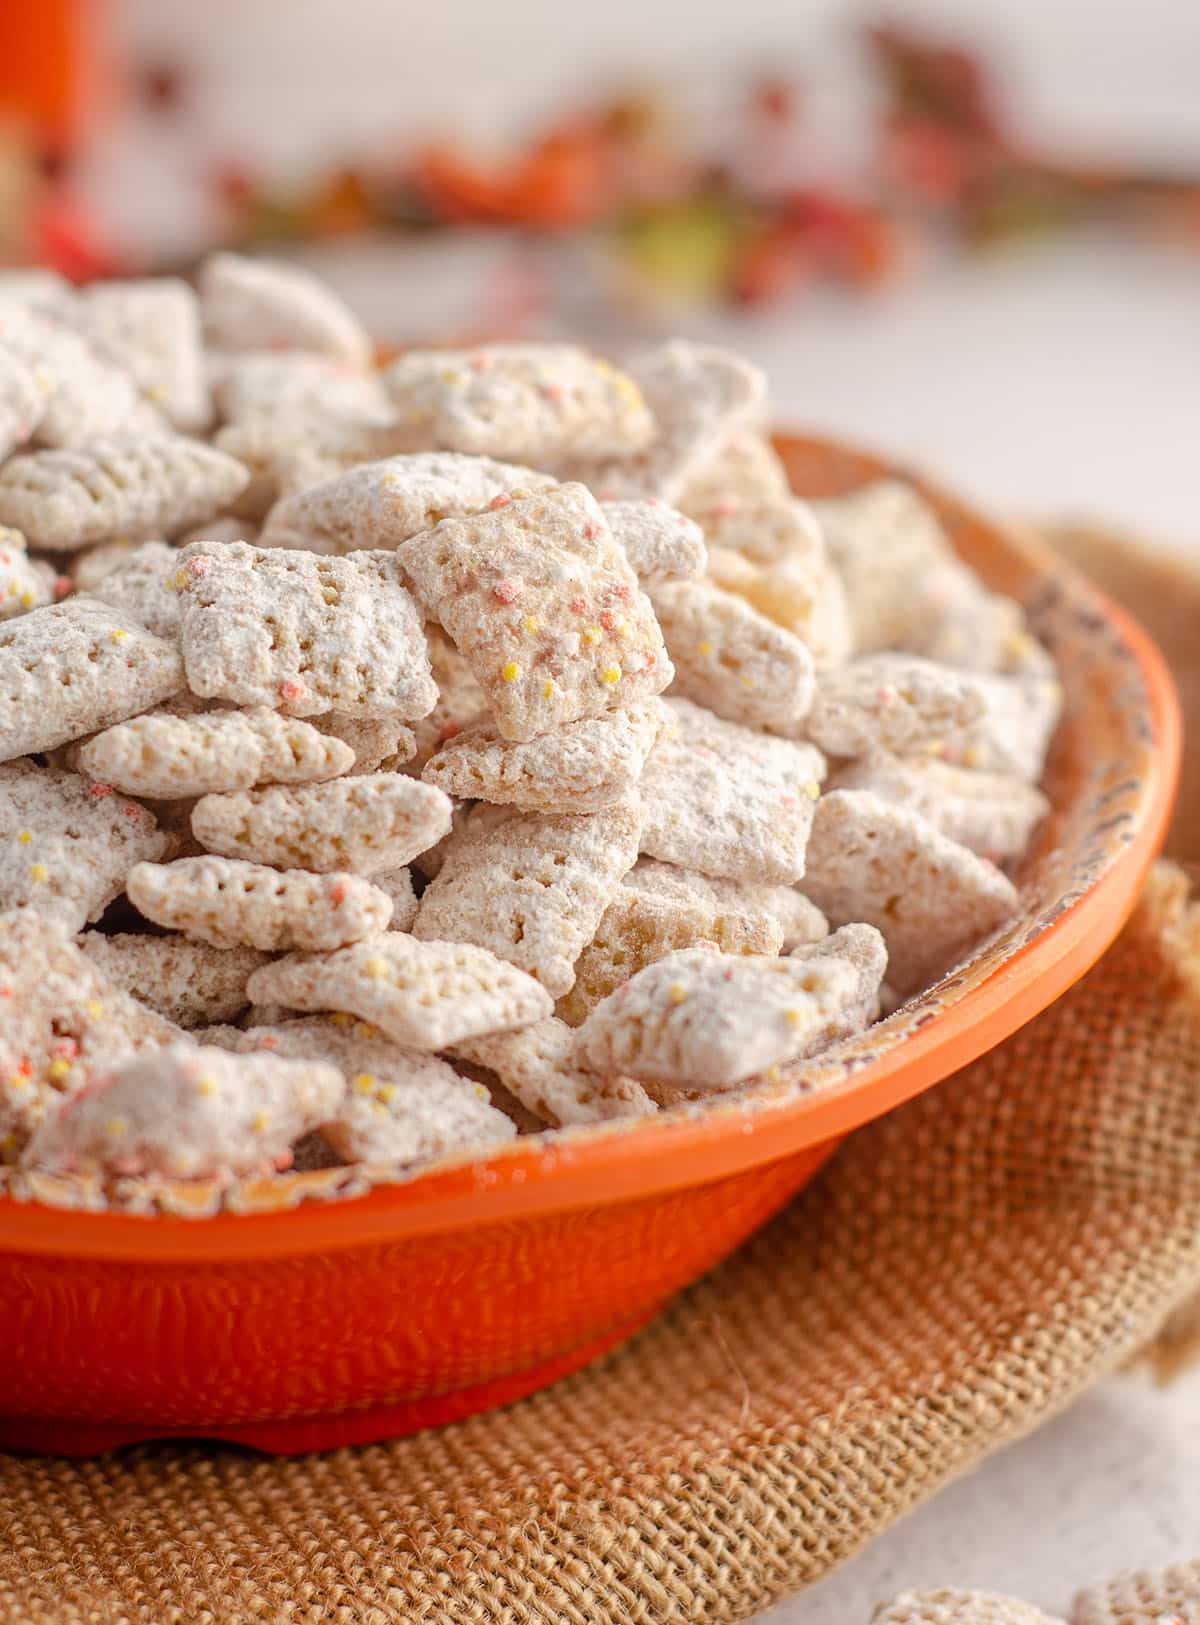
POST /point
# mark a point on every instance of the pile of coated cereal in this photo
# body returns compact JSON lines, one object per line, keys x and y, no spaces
{"x":395,"y":761}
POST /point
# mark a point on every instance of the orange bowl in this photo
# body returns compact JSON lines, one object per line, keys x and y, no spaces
{"x":296,"y":1322}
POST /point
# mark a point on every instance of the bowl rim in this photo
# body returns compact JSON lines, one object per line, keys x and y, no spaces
{"x":626,"y":1161}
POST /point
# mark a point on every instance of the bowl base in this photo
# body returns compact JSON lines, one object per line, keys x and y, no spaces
{"x":298,"y":1435}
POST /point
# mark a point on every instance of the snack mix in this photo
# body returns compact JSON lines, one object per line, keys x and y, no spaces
{"x":395,"y":762}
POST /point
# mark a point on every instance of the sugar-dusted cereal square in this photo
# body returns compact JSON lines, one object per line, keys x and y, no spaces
{"x":190,"y":983}
{"x":303,"y":634}
{"x":151,"y":327}
{"x":895,"y":702}
{"x":994,"y":814}
{"x":721,"y":799}
{"x":660,"y":543}
{"x":578,"y":768}
{"x":268,"y":304}
{"x":141,"y":585}
{"x":533,"y":888}
{"x":542,"y":602}
{"x":72,"y":668}
{"x":535,"y":1065}
{"x":423,"y":995}
{"x":933,"y":900}
{"x":25,"y":583}
{"x":25,"y":389}
{"x":803,"y":595}
{"x":534,"y":403}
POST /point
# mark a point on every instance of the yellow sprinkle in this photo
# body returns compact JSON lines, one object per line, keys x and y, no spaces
{"x":936,"y":747}
{"x":972,"y":756}
{"x":1020,"y":643}
{"x":532,"y":623}
{"x":482,"y":1092}
{"x":518,"y":493}
{"x":364,"y":1029}
{"x":773,"y":1074}
{"x":678,"y":992}
{"x":591,"y":634}
{"x":94,"y":1009}
{"x":58,"y":1070}
{"x":25,"y":837}
{"x":38,"y":873}
{"x":116,"y":1127}
{"x":19,"y":1085}
{"x":118,"y":636}
{"x":510,"y":672}
{"x":611,"y":674}
{"x":386,"y":1092}
{"x":206,"y":1086}
{"x":379,"y":1108}
{"x":704,"y":647}
{"x":364,"y":1084}
{"x":339,"y":1018}
{"x":624,"y":629}
{"x":792,"y":1017}
{"x":260,"y":1122}
{"x":27,"y":599}
{"x":747,"y":682}
{"x":549,"y":689}
{"x":375,"y":968}
{"x":812,"y":790}
{"x":178,"y":581}
{"x":451,"y":376}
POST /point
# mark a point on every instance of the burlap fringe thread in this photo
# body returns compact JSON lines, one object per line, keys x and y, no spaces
{"x":963,"y":1269}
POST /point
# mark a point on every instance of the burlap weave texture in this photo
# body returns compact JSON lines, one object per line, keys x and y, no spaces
{"x":961,"y":1270}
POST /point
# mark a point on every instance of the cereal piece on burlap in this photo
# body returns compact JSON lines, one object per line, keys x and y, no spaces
{"x":265,"y":304}
{"x":743,"y":471}
{"x":306,"y":635}
{"x":696,"y":394}
{"x":401,"y":1106}
{"x":166,"y":756}
{"x":381,"y":504}
{"x":992,"y":813}
{"x":397,"y":883}
{"x":798,"y":919}
{"x":246,"y":384}
{"x":188,"y":1112}
{"x":932,"y":899}
{"x":536,"y":403}
{"x":141,"y":585}
{"x":894,"y":702}
{"x":229,"y":903}
{"x":59,"y":1017}
{"x":423,"y":995}
{"x":89,"y":397}
{"x":707,"y":1020}
{"x":719,"y":798}
{"x":532,"y":890}
{"x":63,"y":500}
{"x":191,"y":983}
{"x":66,"y":845}
{"x":72,"y":668}
{"x":460,"y":700}
{"x":1168,"y":1596}
{"x":25,"y":389}
{"x":642,"y":925}
{"x":534,"y":1064}
{"x":660,"y":543}
{"x":890,"y":550}
{"x":358,"y":824}
{"x":953,"y":1607}
{"x":733,"y":660}
{"x":578,"y":768}
{"x":371,"y":740}
{"x":1020,"y":716}
{"x":805,"y":597}
{"x":25,"y":584}
{"x":541,"y":600}
{"x":152,"y":329}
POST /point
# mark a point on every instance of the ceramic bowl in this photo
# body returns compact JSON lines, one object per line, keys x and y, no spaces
{"x":334,"y":1308}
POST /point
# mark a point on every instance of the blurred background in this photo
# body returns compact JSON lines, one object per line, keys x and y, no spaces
{"x":966,"y":232}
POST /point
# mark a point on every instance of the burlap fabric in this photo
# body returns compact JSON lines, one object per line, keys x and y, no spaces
{"x":962,"y":1270}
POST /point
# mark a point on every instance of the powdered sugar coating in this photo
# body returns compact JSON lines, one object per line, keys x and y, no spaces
{"x":423,"y":995}
{"x":804,"y":595}
{"x":577,"y":768}
{"x":381,"y":504}
{"x":894,"y":702}
{"x":733,"y":660}
{"x":460,"y":700}
{"x":398,"y":884}
{"x":357,"y":824}
{"x":743,"y":471}
{"x":534,"y":403}
{"x":165,"y":756}
{"x":932,"y":899}
{"x":799,"y":920}
{"x":63,"y":500}
{"x":72,"y":668}
{"x":373,"y":741}
{"x":535,"y":1064}
{"x":228,"y":903}
{"x":151,"y":328}
{"x":89,"y":397}
{"x":303,"y":634}
{"x":660,"y":543}
{"x":994,"y":814}
{"x":141,"y":586}
{"x":190,"y":983}
{"x":67,"y":844}
{"x":25,"y":389}
{"x":533,"y":888}
{"x":721,"y":799}
{"x":264,"y":384}
{"x":541,"y":601}
{"x":188,"y":1112}
{"x":264,"y":304}
{"x":25,"y":584}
